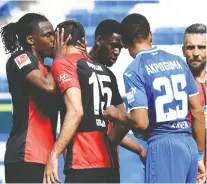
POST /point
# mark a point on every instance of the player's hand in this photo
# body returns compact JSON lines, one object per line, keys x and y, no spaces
{"x":51,"y":171}
{"x":82,"y":47}
{"x":142,"y":155}
{"x":60,"y":44}
{"x":111,"y":113}
{"x":201,"y":178}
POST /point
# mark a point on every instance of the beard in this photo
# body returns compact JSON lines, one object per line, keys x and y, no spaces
{"x":196,"y":69}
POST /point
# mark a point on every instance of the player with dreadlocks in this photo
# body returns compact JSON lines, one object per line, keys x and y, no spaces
{"x":32,"y":87}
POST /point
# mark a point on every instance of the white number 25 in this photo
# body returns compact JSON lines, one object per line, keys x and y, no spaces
{"x":171,"y":93}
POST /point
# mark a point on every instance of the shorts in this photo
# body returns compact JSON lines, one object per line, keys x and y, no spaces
{"x":97,"y":175}
{"x":171,"y":158}
{"x":24,"y":172}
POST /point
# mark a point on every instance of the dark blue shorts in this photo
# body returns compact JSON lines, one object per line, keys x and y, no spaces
{"x":171,"y":158}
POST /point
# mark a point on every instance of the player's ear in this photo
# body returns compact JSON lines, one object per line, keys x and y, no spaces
{"x":98,"y":41}
{"x":183,"y":49}
{"x":150,"y":36}
{"x":30,"y":40}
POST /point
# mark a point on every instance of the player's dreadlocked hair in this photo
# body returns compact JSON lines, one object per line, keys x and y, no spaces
{"x":74,"y":28}
{"x":14,"y":34}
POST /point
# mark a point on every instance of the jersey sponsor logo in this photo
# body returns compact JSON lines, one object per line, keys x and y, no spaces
{"x":131,"y":95}
{"x":22,"y":60}
{"x":180,"y":125}
{"x":100,"y":123}
{"x":128,"y":74}
{"x":63,"y":78}
{"x":154,"y":53}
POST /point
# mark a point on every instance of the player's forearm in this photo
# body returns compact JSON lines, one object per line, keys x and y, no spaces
{"x":64,"y":154}
{"x":131,"y":145}
{"x":50,"y":83}
{"x":198,"y":128}
{"x":68,"y":130}
{"x":136,"y":121}
{"x":116,"y":134}
{"x":123,"y":119}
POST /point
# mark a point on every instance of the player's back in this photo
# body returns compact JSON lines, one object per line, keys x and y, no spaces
{"x":96,"y":83}
{"x":166,"y":81}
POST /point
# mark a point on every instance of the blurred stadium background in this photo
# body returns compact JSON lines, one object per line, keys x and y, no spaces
{"x":168,"y":19}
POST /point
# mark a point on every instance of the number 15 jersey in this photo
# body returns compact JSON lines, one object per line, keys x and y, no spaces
{"x":90,"y":147}
{"x":162,"y":83}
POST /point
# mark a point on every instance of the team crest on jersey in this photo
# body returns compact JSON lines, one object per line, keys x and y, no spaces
{"x":22,"y":60}
{"x":64,"y":78}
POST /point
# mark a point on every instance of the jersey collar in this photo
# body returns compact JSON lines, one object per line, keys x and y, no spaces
{"x":147,"y":51}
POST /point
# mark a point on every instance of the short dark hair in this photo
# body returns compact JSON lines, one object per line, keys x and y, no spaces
{"x":74,"y":28}
{"x":107,"y":27}
{"x":134,"y":27}
{"x":14,"y":34}
{"x":196,"y":29}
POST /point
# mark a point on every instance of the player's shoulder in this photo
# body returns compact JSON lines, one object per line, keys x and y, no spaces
{"x":21,"y":54}
{"x":133,"y":67}
{"x":70,"y":59}
{"x":175,"y":58}
{"x":22,"y":58}
{"x":107,"y":69}
{"x":169,"y":55}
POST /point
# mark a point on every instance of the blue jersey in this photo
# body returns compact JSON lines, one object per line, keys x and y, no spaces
{"x":162,"y":83}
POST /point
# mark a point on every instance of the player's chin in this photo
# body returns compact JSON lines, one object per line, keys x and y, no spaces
{"x":109,"y":64}
{"x":50,"y":53}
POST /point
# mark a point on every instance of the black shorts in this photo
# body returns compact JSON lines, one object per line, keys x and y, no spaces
{"x":98,"y":175}
{"x":24,"y":172}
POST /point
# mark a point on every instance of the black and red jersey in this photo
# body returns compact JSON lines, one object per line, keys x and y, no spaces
{"x":34,"y":113}
{"x":202,"y":92}
{"x":90,"y":147}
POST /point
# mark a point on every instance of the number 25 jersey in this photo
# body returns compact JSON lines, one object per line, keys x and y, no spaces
{"x":162,"y":83}
{"x":90,"y":146}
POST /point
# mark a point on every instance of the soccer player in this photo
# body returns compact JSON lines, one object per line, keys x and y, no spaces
{"x":105,"y":51}
{"x":87,"y":89}
{"x":159,"y":87}
{"x":194,"y":50}
{"x":31,"y":86}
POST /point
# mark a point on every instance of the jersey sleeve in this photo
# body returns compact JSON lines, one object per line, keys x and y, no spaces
{"x":65,"y":74}
{"x":191,"y":83}
{"x":135,"y":90}
{"x":116,"y":97}
{"x":25,"y":63}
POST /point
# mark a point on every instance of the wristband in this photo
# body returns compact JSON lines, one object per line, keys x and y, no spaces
{"x":200,"y":156}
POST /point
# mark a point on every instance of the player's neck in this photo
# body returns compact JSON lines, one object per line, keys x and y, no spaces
{"x":143,"y":46}
{"x":202,"y":76}
{"x":94,"y":53}
{"x":38,"y":56}
{"x":71,"y":50}
{"x":138,"y":47}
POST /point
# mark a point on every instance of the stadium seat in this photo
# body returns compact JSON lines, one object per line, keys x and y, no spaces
{"x":6,"y":7}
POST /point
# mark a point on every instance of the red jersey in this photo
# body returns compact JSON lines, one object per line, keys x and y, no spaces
{"x":202,"y":92}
